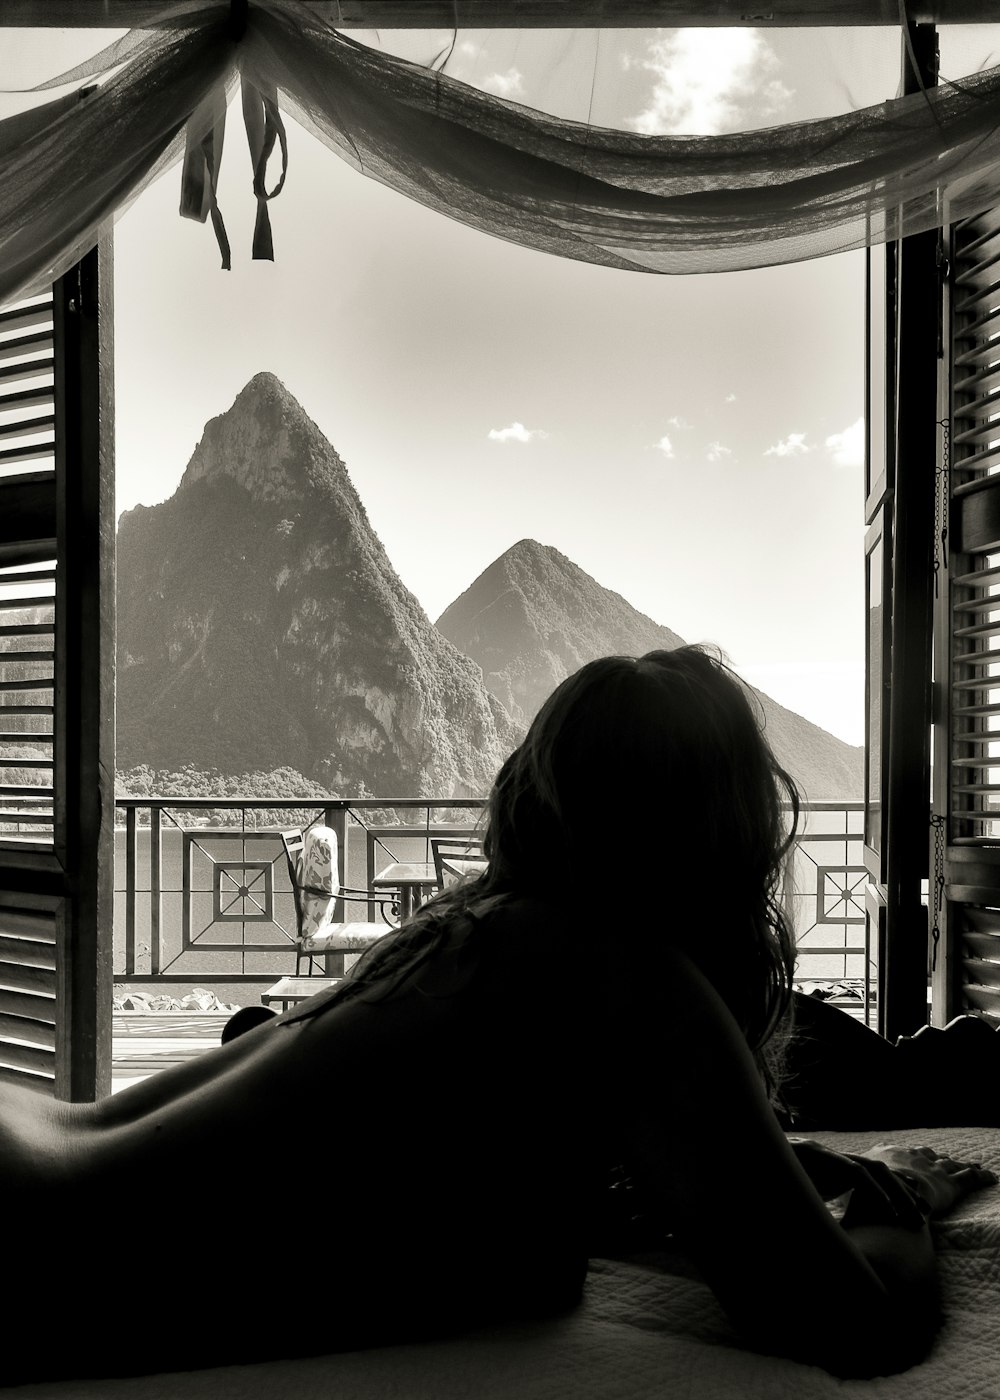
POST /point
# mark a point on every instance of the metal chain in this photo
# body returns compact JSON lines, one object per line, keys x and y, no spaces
{"x":942,"y":487}
{"x":937,"y":885}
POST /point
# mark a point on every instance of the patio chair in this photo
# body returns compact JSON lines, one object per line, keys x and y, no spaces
{"x":313,"y":869}
{"x":457,"y":858}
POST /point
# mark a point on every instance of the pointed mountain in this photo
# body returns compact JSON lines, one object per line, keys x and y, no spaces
{"x":533,"y":617}
{"x":262,"y":626}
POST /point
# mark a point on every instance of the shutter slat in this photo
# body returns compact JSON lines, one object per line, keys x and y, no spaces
{"x":24,"y":1028}
{"x":981,"y":331}
{"x":33,"y":369}
{"x":37,"y":313}
{"x":983,"y":432}
{"x":986,"y":376}
{"x":26,"y":923}
{"x":983,"y":657}
{"x":986,"y":457}
{"x":8,"y":603}
{"x":985,"y":604}
{"x":28,"y":952}
{"x":40,"y":453}
{"x":982,"y":973}
{"x":44,"y":393}
{"x":986,"y":293}
{"x":980,"y":274}
{"x":18,"y":1003}
{"x":974,"y":230}
{"x":983,"y":999}
{"x":38,"y":1059}
{"x":28,"y":427}
{"x":979,"y":629}
{"x":24,"y":1078}
{"x":27,"y":977}
{"x":15,"y":348}
{"x":978,"y":578}
{"x":983,"y":945}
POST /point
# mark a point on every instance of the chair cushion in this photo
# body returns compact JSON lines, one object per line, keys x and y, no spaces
{"x":344,"y":938}
{"x":317,"y":868}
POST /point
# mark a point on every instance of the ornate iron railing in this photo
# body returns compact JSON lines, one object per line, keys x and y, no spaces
{"x":202,"y":894}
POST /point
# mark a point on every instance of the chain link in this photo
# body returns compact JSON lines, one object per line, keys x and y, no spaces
{"x":937,"y":885}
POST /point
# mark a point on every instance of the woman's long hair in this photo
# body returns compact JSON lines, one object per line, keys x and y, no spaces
{"x":642,"y":780}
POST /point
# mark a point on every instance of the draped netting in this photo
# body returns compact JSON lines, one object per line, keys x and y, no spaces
{"x":662,"y":204}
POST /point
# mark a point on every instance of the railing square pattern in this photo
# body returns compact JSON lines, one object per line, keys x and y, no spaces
{"x":242,"y":891}
{"x":840,"y":889}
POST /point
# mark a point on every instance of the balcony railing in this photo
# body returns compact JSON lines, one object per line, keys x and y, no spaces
{"x":202,"y":895}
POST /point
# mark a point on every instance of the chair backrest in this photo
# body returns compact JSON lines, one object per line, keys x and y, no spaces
{"x":312,"y":858}
{"x":447,"y":849}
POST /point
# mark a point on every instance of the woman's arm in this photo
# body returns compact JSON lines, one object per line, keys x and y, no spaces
{"x":710,"y":1155}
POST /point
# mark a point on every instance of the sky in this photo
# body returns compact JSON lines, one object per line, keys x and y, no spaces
{"x":694,"y":443}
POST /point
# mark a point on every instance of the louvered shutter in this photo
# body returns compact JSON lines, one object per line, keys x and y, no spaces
{"x":27,"y":680}
{"x":56,"y":687}
{"x":965,"y":885}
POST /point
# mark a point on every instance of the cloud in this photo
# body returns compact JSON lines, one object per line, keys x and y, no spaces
{"x":848,"y":448}
{"x":794,"y":445}
{"x":707,"y":81}
{"x":718,"y":453}
{"x":730,"y":398}
{"x":468,"y":48}
{"x":516,"y":432}
{"x":678,"y":422}
{"x":509,"y":84}
{"x":665,"y":446}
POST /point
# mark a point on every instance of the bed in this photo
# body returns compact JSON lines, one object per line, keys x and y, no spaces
{"x":646,"y":1330}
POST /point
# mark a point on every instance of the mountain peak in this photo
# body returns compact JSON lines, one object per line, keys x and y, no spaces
{"x":533,"y":617}
{"x":266,"y":388}
{"x":267,"y":443}
{"x":262,"y":627}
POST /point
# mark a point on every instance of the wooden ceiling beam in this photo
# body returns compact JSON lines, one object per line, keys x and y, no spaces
{"x":532,"y":14}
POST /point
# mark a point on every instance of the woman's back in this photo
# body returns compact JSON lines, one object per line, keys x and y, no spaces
{"x":433,"y":1142}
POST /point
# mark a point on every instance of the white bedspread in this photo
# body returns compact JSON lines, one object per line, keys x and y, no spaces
{"x":641,"y":1334}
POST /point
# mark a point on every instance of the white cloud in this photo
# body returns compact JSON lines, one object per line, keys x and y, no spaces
{"x":468,"y":48}
{"x":710,"y":80}
{"x":730,"y":398}
{"x":665,"y":446}
{"x":678,"y":422}
{"x":718,"y":453}
{"x":791,"y":446}
{"x":516,"y":432}
{"x":509,"y":84}
{"x":848,"y":448}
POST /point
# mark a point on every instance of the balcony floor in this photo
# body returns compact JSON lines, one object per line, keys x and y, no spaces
{"x":144,"y":1042}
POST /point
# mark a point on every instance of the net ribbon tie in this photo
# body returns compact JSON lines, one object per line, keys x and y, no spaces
{"x":205,"y":134}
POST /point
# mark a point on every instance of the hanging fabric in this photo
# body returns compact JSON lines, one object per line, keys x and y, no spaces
{"x":662,"y":204}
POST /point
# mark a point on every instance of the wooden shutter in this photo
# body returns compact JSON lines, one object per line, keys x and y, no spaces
{"x":56,"y":686}
{"x":965,"y":887}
